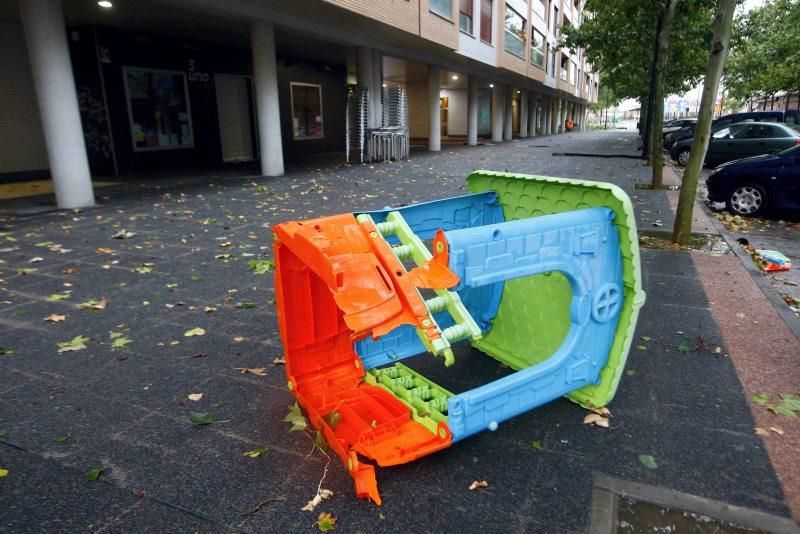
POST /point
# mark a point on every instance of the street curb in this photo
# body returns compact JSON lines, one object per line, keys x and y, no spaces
{"x":761,"y":281}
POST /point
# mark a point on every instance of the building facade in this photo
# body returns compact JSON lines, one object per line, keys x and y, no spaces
{"x":130,"y":87}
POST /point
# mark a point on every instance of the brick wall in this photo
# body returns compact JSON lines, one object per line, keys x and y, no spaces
{"x":403,"y":14}
{"x":21,"y":140}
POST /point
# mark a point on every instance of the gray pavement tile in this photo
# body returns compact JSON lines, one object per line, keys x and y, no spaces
{"x":40,"y":495}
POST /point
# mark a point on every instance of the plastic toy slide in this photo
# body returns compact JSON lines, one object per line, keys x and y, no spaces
{"x":540,"y":273}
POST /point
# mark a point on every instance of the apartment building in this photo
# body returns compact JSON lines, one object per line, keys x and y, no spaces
{"x":116,"y":87}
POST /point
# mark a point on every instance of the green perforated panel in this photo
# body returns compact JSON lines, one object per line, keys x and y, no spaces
{"x":533,"y":316}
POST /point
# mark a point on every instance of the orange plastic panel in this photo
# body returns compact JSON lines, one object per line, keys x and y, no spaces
{"x":336,"y":282}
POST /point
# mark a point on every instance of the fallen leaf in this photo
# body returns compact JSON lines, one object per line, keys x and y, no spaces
{"x":537,"y":444}
{"x":260,"y":266}
{"x":321,"y":495}
{"x":37,"y":259}
{"x":209,"y":309}
{"x":62,"y":439}
{"x":740,"y":315}
{"x":296,"y":418}
{"x":238,"y":339}
{"x":55,"y":318}
{"x":325,"y":522}
{"x":778,"y":430}
{"x":683,"y":346}
{"x":203,"y":418}
{"x":244,"y":305}
{"x":123,"y":234}
{"x":101,"y":304}
{"x":94,"y":474}
{"x":144,"y":269}
{"x":333,"y":418}
{"x":77,"y":343}
{"x":120,"y":341}
{"x":194,"y":396}
{"x":761,"y":431}
{"x":595,"y":419}
{"x":194,"y":332}
{"x":648,"y":461}
{"x":478,"y":484}
{"x":761,"y":398}
{"x":255,"y":453}
{"x":55,"y":297}
{"x":3,"y":473}
{"x":605,"y":412}
{"x":258,"y":371}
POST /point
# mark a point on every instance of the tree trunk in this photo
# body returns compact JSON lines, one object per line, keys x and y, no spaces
{"x":648,"y":130}
{"x":657,"y":145}
{"x":723,"y":21}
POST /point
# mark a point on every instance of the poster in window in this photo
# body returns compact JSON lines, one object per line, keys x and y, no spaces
{"x":306,"y":111}
{"x":158,"y":107}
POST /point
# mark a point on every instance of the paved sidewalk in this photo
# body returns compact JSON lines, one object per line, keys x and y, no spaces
{"x":126,"y":409}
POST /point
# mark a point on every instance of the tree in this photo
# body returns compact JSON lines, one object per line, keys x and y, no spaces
{"x":619,"y":37}
{"x":765,"y":50}
{"x":723,"y":21}
{"x":659,"y":66}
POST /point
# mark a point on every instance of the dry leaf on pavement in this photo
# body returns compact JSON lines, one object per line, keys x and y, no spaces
{"x":595,"y":419}
{"x":478,"y":484}
{"x":195,"y":396}
{"x":318,"y":498}
{"x":55,"y":318}
{"x":258,"y":371}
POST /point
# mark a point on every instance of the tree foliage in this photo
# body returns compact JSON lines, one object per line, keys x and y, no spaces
{"x":765,"y":52}
{"x":619,"y":38}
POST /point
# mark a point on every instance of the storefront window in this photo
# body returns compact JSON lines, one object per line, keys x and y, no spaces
{"x":537,"y":48}
{"x":158,"y":109}
{"x":515,"y":33}
{"x":306,"y":111}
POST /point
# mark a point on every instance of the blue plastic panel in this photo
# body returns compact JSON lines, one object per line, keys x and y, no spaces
{"x":584,"y":246}
{"x":425,"y":219}
{"x":454,"y":213}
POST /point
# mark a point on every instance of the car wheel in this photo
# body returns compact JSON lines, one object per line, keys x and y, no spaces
{"x":683,"y":156}
{"x":747,"y":199}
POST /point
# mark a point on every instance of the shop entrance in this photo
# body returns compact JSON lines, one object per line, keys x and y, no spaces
{"x":235,"y":111}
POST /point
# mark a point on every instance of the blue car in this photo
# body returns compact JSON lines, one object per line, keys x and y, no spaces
{"x":751,"y":186}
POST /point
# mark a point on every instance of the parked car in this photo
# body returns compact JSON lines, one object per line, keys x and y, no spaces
{"x":740,"y":140}
{"x":787,"y":116}
{"x":750,"y":186}
{"x":675,"y":125}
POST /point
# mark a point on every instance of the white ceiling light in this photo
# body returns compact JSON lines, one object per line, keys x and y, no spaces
{"x":491,"y":85}
{"x":455,"y":76}
{"x":105,"y":3}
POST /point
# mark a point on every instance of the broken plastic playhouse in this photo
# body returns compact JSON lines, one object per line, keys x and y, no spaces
{"x":540,"y":273}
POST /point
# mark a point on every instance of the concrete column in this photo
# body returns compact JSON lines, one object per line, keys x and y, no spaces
{"x":545,"y":115}
{"x":559,"y":113}
{"x":549,"y":108}
{"x":435,"y":109}
{"x":46,"y":36}
{"x":377,"y":83}
{"x":497,"y":113}
{"x":472,"y":110}
{"x":365,"y":79}
{"x":265,"y":76}
{"x":564,"y":109}
{"x":508,"y":110}
{"x":532,"y":105}
{"x":523,"y":114}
